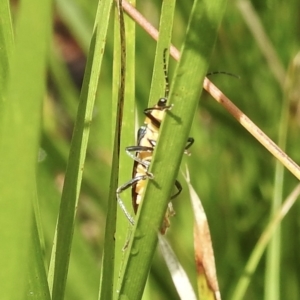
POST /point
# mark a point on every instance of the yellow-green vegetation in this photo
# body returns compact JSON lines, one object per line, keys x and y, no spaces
{"x":59,"y":154}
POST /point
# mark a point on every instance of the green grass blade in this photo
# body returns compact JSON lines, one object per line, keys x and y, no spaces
{"x":62,"y":246}
{"x":201,"y":34}
{"x":37,"y":281}
{"x":128,"y":134}
{"x":6,"y":42}
{"x":158,"y":83}
{"x":20,"y":127}
{"x":109,"y":276}
{"x":272,"y":277}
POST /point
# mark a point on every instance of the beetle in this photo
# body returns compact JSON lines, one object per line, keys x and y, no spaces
{"x":142,"y":155}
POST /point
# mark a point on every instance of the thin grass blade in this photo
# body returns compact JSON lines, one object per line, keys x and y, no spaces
{"x":6,"y":42}
{"x":108,"y":279}
{"x":63,"y":239}
{"x":158,"y":84}
{"x":273,"y":258}
{"x":125,"y":37}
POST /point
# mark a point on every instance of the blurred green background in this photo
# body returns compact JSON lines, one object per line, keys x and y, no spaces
{"x":231,"y":172}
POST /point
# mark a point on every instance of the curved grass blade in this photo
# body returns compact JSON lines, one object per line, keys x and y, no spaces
{"x":208,"y":287}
